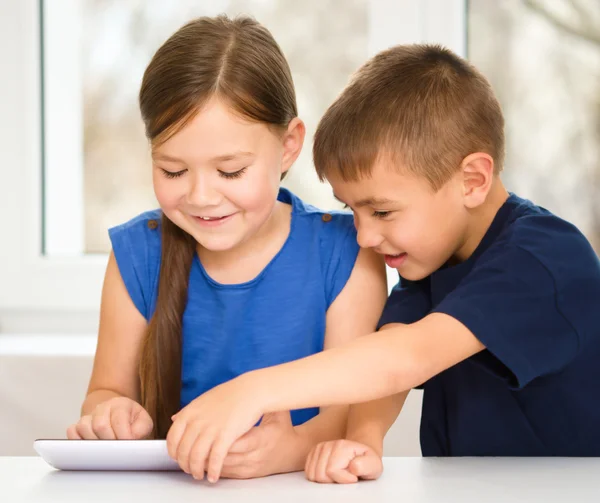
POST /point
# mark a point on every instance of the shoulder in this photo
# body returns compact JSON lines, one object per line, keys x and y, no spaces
{"x":333,"y":230}
{"x":325,"y":223}
{"x":147,"y":222}
{"x":548,"y":239}
{"x":136,"y":246}
{"x":141,"y":231}
{"x":329,"y":238}
{"x":541,"y":255}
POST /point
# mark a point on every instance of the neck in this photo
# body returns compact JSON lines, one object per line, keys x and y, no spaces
{"x":481,"y":220}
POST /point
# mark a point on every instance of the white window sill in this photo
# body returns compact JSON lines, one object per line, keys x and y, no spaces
{"x":47,"y":345}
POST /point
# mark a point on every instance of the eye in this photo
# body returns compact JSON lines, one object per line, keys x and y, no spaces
{"x":381,"y":214}
{"x":235,"y":174}
{"x":173,"y":174}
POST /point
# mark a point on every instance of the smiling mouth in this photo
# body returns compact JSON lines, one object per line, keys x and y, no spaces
{"x":389,"y":254}
{"x":212,"y":221}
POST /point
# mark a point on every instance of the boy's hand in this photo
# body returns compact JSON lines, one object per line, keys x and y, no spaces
{"x":203,"y":432}
{"x":342,"y":461}
{"x":119,"y":418}
{"x":272,"y":447}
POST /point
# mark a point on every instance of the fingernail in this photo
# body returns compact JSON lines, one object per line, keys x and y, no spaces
{"x":212,"y":479}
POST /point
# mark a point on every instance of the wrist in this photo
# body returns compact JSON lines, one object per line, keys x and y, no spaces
{"x":372,"y":439}
{"x":299,"y":449}
{"x":257,"y":391}
{"x":260,"y":387}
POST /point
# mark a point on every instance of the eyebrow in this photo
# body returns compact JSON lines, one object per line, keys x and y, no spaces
{"x":165,"y":157}
{"x":231,"y":157}
{"x":369,"y":201}
{"x":218,"y":158}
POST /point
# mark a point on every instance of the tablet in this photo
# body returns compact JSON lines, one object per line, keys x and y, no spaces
{"x":131,"y":455}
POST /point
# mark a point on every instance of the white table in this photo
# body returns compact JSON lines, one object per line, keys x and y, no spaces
{"x":406,"y":480}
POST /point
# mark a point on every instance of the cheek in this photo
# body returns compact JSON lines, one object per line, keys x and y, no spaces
{"x":167,"y":193}
{"x":417,"y":232}
{"x":256,"y":194}
{"x":442,"y":227}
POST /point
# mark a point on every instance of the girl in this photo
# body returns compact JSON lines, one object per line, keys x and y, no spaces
{"x":233,"y":273}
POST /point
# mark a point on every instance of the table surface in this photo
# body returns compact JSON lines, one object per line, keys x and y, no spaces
{"x":405,"y":480}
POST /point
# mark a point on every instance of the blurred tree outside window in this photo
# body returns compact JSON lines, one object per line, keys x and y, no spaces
{"x":543,"y":61}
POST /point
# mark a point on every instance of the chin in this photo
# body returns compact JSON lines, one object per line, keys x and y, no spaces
{"x":213,"y":241}
{"x":217,"y":245}
{"x":413,"y":274}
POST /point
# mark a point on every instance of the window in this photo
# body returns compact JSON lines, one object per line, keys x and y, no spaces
{"x":111,"y":168}
{"x":96,"y":158}
{"x":543,"y":60}
{"x":73,"y":146}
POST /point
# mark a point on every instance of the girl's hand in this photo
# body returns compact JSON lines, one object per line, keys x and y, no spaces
{"x":119,"y":418}
{"x":272,"y":447}
{"x":342,"y":461}
{"x":203,"y":432}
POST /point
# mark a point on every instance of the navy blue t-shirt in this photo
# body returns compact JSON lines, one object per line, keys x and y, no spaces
{"x":531,"y":294}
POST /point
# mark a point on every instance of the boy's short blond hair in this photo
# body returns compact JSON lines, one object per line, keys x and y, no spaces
{"x":419,"y":107}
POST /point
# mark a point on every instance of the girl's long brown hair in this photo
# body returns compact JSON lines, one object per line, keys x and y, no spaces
{"x":238,"y":61}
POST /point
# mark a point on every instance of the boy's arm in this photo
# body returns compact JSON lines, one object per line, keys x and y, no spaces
{"x":501,"y":303}
{"x":371,"y":367}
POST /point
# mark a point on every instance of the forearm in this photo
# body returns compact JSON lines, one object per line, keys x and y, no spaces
{"x":369,"y":368}
{"x":369,"y":422}
{"x":330,"y":424}
{"x":96,"y":397}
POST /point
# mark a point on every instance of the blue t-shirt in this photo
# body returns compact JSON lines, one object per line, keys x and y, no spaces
{"x":531,"y":294}
{"x":277,"y":317}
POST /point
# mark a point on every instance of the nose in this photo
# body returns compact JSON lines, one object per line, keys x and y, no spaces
{"x":367,"y":236}
{"x":202,"y":192}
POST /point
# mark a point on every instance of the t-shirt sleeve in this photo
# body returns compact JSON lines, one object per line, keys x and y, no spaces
{"x":339,"y":250}
{"x":136,"y":247}
{"x":509,"y":301}
{"x":408,"y":302}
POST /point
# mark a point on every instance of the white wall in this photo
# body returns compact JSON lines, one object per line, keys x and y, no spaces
{"x":44,"y":380}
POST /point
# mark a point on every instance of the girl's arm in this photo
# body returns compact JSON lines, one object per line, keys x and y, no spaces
{"x":121,"y":331}
{"x":369,"y":422}
{"x":355,"y":312}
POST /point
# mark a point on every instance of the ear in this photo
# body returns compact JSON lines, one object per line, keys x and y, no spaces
{"x":293,"y":140}
{"x":478,"y":174}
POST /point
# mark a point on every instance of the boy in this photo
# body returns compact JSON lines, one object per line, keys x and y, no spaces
{"x":495,"y":314}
